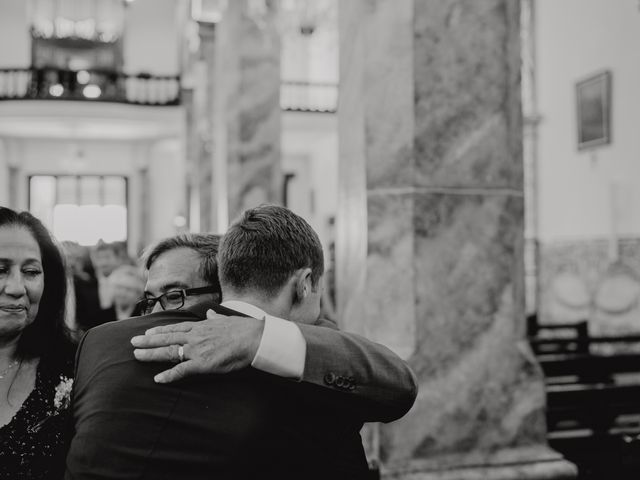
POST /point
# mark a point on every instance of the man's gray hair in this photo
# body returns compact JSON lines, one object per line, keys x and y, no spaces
{"x":205,"y":244}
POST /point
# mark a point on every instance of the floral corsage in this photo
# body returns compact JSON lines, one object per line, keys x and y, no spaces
{"x":62,"y":397}
{"x":61,"y":402}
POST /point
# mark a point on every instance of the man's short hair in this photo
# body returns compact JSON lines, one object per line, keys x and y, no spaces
{"x":264,"y":247}
{"x":205,"y":244}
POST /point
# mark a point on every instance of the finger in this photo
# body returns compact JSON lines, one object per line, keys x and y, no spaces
{"x":212,"y":315}
{"x":159,"y":340}
{"x":177,"y":327}
{"x":181,"y":370}
{"x":161,"y":354}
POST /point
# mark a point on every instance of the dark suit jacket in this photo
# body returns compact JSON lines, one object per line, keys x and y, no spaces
{"x":88,"y":311}
{"x":246,"y":424}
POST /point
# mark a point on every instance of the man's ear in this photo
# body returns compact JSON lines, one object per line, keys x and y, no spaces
{"x":303,"y":284}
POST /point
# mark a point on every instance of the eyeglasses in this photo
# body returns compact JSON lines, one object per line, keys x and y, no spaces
{"x":172,"y":300}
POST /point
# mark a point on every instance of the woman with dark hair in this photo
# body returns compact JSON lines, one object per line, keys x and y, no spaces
{"x":36,"y":351}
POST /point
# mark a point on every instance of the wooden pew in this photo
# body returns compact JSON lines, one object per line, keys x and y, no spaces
{"x":593,"y":400}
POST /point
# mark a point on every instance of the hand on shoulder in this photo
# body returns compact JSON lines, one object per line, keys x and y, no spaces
{"x":219,"y":344}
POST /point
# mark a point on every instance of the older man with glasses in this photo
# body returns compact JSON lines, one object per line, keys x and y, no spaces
{"x":181,"y":271}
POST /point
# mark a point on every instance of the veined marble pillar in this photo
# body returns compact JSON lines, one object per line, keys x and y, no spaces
{"x":430,"y":232}
{"x":247,"y":104}
{"x":4,"y":176}
{"x":207,"y":196}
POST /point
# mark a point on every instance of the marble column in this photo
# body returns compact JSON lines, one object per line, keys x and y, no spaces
{"x":205,"y":160}
{"x":140,"y":189}
{"x":4,"y":175}
{"x":530,"y":154}
{"x":430,"y":232}
{"x":247,"y":107}
{"x":17,"y":185}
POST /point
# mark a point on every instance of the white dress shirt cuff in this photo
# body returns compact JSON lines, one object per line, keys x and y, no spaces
{"x":282,"y":350}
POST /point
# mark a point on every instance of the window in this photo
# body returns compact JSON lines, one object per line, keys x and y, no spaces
{"x":83,"y":209}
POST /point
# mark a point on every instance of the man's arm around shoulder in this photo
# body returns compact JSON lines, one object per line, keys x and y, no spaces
{"x":383,"y":383}
{"x":363,"y":377}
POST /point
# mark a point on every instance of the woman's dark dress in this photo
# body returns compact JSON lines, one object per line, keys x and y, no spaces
{"x":33,"y":445}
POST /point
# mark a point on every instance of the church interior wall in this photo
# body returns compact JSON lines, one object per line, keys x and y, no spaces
{"x":311,"y":153}
{"x":14,"y":31}
{"x":588,"y":200}
{"x":575,"y":187}
{"x":163,"y":158}
{"x":167,"y":187}
{"x":153,"y":46}
{"x":4,"y":175}
{"x":81,"y":157}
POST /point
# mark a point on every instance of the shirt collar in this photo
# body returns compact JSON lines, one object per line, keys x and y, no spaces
{"x":246,"y":308}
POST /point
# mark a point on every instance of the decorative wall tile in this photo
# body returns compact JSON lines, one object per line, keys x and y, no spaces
{"x":594,"y":280}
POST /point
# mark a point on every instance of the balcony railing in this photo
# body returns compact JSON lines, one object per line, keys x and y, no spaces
{"x":309,"y":97}
{"x":142,"y":89}
{"x":88,"y":85}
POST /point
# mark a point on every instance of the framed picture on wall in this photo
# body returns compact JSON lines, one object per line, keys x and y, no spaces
{"x":593,"y":97}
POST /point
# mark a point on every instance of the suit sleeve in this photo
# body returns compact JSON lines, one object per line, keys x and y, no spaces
{"x":78,"y":374}
{"x":370,"y":379}
{"x":70,"y":428}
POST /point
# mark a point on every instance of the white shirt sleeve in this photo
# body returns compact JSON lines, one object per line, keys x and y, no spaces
{"x":282,"y":350}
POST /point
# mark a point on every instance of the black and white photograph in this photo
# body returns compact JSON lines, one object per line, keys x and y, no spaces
{"x":319,"y":240}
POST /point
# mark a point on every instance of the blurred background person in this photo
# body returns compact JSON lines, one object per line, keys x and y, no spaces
{"x":106,"y":258}
{"x":94,"y":295}
{"x":36,"y":353}
{"x":127,"y":286}
{"x":79,"y":271}
{"x":78,"y":260}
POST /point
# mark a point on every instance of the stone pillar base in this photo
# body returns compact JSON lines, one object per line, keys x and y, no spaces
{"x":534,"y":463}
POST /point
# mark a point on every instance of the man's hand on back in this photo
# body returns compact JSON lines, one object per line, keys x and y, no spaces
{"x":219,"y":344}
